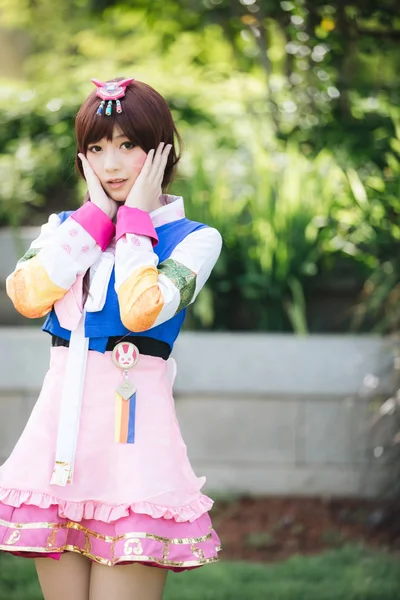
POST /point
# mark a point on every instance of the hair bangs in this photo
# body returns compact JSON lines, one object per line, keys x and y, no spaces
{"x":89,"y":126}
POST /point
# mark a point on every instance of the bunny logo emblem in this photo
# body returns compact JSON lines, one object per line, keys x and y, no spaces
{"x":125,"y":355}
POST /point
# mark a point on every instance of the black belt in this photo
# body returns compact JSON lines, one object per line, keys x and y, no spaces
{"x":145,"y":345}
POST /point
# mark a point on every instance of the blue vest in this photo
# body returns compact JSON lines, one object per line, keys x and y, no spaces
{"x":101,"y":325}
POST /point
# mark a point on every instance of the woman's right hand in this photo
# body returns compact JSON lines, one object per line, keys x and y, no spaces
{"x":96,"y":191}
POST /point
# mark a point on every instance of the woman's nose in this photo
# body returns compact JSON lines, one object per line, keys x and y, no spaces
{"x":111,"y":161}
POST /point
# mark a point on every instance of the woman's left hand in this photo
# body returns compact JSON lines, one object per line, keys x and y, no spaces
{"x":146,"y":190}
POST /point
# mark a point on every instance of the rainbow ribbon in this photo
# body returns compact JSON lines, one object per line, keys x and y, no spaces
{"x":125,"y":419}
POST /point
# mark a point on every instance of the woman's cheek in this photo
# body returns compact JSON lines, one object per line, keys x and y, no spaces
{"x":139,"y":162}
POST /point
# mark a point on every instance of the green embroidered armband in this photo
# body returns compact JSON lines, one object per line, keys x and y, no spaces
{"x":29,"y":254}
{"x":183,"y":279}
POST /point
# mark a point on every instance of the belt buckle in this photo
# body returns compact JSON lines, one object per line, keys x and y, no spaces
{"x":125,"y":355}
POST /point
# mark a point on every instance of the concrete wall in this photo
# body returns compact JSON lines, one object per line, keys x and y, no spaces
{"x":265,"y":414}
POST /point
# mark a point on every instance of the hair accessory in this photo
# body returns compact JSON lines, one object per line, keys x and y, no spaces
{"x":100,"y":109}
{"x":109,"y":91}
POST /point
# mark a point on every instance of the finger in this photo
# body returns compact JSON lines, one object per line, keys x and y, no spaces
{"x":156,"y":162}
{"x":163,"y":163}
{"x":148,"y":163}
{"x":85,"y":172}
{"x":83,"y":159}
{"x":93,"y":182}
{"x":157,"y":158}
{"x":87,"y":169}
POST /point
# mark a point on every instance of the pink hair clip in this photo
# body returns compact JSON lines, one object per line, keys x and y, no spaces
{"x":110,"y":91}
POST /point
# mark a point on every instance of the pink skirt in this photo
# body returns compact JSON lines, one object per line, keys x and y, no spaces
{"x":128,"y":502}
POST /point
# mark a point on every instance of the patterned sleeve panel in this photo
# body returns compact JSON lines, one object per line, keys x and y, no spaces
{"x":61,"y":253}
{"x":150,"y":293}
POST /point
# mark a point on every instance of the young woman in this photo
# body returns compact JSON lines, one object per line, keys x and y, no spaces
{"x":99,"y":489}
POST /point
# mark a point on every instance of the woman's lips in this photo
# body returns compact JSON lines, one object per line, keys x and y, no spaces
{"x":116,"y":184}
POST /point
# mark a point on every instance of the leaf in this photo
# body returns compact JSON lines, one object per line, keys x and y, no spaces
{"x":357,"y":188}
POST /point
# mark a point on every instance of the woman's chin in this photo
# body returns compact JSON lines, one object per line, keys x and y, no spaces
{"x":118,"y":197}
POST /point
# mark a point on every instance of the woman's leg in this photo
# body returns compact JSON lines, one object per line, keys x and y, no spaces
{"x":127,"y":582}
{"x":64,"y":579}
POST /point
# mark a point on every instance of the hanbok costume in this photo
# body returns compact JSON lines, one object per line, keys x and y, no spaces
{"x":101,"y":468}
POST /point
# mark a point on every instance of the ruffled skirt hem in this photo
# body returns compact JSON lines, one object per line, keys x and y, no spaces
{"x":32,"y":531}
{"x":100,"y":511}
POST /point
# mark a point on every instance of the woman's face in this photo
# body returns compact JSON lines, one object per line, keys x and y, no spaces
{"x":117,"y":164}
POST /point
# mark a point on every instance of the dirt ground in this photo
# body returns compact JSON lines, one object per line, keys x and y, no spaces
{"x":273,"y":528}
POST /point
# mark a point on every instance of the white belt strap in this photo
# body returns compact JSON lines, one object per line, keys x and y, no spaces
{"x":71,"y":402}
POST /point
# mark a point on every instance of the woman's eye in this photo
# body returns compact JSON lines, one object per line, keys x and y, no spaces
{"x":128,"y":145}
{"x":94,"y":149}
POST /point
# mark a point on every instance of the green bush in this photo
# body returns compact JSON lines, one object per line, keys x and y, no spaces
{"x":37,"y":154}
{"x":271,"y":209}
{"x":367,"y":227}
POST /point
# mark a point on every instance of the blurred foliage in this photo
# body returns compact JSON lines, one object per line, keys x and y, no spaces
{"x":369,"y":229}
{"x":289,"y":114}
{"x":270,"y":210}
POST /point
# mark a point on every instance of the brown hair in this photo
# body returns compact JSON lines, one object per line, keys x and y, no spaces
{"x":145,"y":119}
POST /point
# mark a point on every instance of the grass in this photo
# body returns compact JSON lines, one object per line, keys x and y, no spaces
{"x":349,"y":573}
